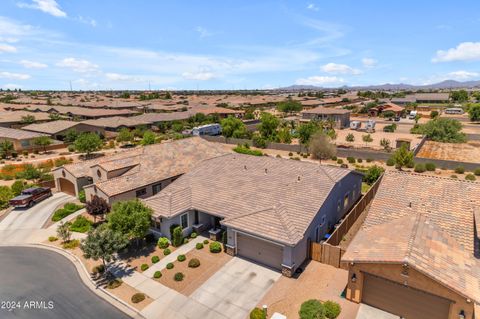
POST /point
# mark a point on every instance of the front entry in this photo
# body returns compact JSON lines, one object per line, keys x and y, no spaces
{"x":64,"y":185}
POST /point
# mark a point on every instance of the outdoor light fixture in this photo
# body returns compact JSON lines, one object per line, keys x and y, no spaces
{"x":354,"y":278}
{"x":461,"y":315}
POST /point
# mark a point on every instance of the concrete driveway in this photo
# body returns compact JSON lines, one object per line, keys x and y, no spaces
{"x":236,"y":288}
{"x":368,"y":312}
{"x":19,"y":223}
{"x":29,"y":275}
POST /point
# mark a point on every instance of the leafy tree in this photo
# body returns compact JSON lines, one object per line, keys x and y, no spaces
{"x":53,"y":116}
{"x":268,"y":125}
{"x":148,"y":138}
{"x":6,"y":195}
{"x":168,"y":95}
{"x":140,"y":130}
{"x":320,"y":146}
{"x":388,"y":114}
{"x":125,"y":136}
{"x":474,"y":112}
{"x":367,"y":139}
{"x":42,"y":141}
{"x":27,"y":119}
{"x":442,"y":130}
{"x":130,"y":218}
{"x":372,"y":174}
{"x":71,"y":135}
{"x":403,"y":157}
{"x":6,"y":148}
{"x":312,"y":309}
{"x":103,"y":243}
{"x":385,"y":143}
{"x":97,"y":207}
{"x":125,"y":95}
{"x":306,"y":130}
{"x":64,"y":232}
{"x":350,"y":137}
{"x":434,"y":114}
{"x":289,"y":106}
{"x":332,"y":309}
{"x":233,"y":127}
{"x":177,"y":127}
{"x":88,"y":143}
{"x":284,"y":136}
{"x":18,"y":186}
{"x":459,"y":96}
{"x":29,"y":172}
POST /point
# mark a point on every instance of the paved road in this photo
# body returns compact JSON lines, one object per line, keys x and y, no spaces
{"x":20,"y":223}
{"x":38,"y":275}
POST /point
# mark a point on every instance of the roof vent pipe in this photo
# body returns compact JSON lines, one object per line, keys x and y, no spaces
{"x":266,"y":171}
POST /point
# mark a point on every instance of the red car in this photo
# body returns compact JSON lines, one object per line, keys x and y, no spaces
{"x":31,"y":196}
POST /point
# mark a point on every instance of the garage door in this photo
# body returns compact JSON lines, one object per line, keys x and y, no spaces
{"x":66,"y":186}
{"x":403,"y":301}
{"x":260,"y":251}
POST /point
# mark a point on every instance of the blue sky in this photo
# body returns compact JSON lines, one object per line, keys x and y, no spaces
{"x":107,"y":44}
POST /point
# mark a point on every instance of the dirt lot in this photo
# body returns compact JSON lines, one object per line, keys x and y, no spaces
{"x":210,"y":263}
{"x":463,"y":152}
{"x":318,"y":281}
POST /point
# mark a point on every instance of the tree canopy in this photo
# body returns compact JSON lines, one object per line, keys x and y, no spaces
{"x":268,"y":125}
{"x":474,"y":112}
{"x":125,"y":136}
{"x":88,"y":143}
{"x":442,"y":130}
{"x":27,"y":119}
{"x":233,"y":127}
{"x":42,"y":141}
{"x":289,"y":106}
{"x":320,"y":146}
{"x":97,"y":206}
{"x":148,"y":138}
{"x":306,"y":130}
{"x":403,"y":157}
{"x":130,"y":218}
{"x":459,"y":96}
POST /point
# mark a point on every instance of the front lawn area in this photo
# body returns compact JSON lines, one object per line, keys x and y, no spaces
{"x":193,"y":278}
{"x":81,"y":224}
{"x":68,"y":208}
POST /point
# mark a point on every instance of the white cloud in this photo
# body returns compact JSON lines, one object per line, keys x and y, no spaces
{"x":78,"y":65}
{"x":7,"y":48}
{"x":203,"y":32}
{"x":369,"y":62}
{"x":336,"y":68}
{"x":32,"y":64}
{"x":123,"y":77}
{"x":465,"y":51}
{"x":87,"y":20}
{"x":14,"y":76}
{"x":319,"y":80}
{"x":462,"y":75}
{"x":11,"y":86}
{"x":313,"y":7}
{"x":199,"y":76}
{"x":47,"y":6}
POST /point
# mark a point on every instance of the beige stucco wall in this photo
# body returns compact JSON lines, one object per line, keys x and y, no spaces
{"x":414,"y":279}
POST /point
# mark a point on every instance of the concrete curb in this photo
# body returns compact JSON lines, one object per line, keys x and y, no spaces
{"x":107,"y":296}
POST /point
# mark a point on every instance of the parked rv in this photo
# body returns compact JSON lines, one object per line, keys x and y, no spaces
{"x":370,"y":126}
{"x":209,"y":129}
{"x":454,"y":110}
{"x":355,"y":125}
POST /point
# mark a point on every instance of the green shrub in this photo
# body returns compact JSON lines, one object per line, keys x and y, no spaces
{"x":215,"y":247}
{"x":205,"y":242}
{"x":459,"y":170}
{"x":199,"y":246}
{"x":99,"y":269}
{"x":177,"y":236}
{"x":82,"y":197}
{"x":68,"y":208}
{"x":163,"y":242}
{"x":372,"y":174}
{"x":410,"y":164}
{"x":339,"y":161}
{"x":144,"y":267}
{"x":477,"y":171}
{"x":71,"y":148}
{"x":81,"y":224}
{"x":419,"y":168}
{"x":312,"y":309}
{"x":181,"y":258}
{"x":167,"y":251}
{"x":194,"y":263}
{"x":290,"y":154}
{"x":244,"y":150}
{"x":185,"y":240}
{"x":178,"y":276}
{"x":390,"y":162}
{"x":157,"y":274}
{"x":71,"y":244}
{"x":359,"y":160}
{"x":170,"y":265}
{"x":115,"y":283}
{"x":453,"y":176}
{"x":351,"y":160}
{"x":138,"y":297}
{"x":257,"y":313}
{"x":193,"y":235}
{"x":52,"y":238}
{"x":430,"y":167}
{"x":334,"y":158}
{"x":332,"y":309}
{"x":369,"y":160}
{"x":470,"y":177}
{"x":155,"y":259}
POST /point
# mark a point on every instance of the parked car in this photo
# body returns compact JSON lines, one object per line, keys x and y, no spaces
{"x":31,"y":196}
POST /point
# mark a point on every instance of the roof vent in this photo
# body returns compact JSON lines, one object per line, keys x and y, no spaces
{"x":410,"y":204}
{"x":245,"y":167}
{"x":298,"y":178}
{"x":266,"y":170}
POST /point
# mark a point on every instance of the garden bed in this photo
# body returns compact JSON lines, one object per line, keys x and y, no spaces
{"x":135,"y":258}
{"x":210,"y":263}
{"x":125,"y":293}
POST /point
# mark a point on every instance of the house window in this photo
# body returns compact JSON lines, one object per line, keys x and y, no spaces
{"x":157,"y":188}
{"x":25,"y":143}
{"x":345,"y":201}
{"x":184,"y":221}
{"x":141,"y":192}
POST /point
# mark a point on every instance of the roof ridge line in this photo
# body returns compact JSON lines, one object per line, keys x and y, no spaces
{"x":413,"y":236}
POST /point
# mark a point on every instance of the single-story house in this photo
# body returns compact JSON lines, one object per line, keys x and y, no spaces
{"x":15,"y":119}
{"x":432,"y":97}
{"x":385,"y":107}
{"x":58,"y":129}
{"x":341,"y":117}
{"x":417,"y":255}
{"x":136,"y":173}
{"x":270,"y":208}
{"x":21,"y":140}
{"x":116,"y":123}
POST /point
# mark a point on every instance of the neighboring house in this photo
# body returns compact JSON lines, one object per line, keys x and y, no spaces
{"x":417,"y":253}
{"x":270,"y":208}
{"x":116,"y":123}
{"x":78,"y":112}
{"x":432,"y":97}
{"x":22,"y":140}
{"x":341,"y":117}
{"x":14,"y":119}
{"x":58,"y":129}
{"x":409,"y":99}
{"x":385,"y":107}
{"x":136,"y":173}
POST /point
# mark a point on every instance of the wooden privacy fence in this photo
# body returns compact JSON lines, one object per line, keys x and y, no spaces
{"x":326,"y":254}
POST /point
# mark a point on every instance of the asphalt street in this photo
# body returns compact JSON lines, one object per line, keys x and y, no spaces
{"x":39,"y":284}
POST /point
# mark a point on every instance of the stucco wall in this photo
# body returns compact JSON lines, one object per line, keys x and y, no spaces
{"x":414,"y":279}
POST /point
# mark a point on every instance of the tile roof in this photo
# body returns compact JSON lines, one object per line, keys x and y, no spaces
{"x":16,"y":116}
{"x":447,"y":202}
{"x":418,"y":241}
{"x":116,"y":122}
{"x":275,"y":198}
{"x":17,"y":134}
{"x":52,"y":127}
{"x":327,"y":111}
{"x":79,"y":111}
{"x":163,"y":117}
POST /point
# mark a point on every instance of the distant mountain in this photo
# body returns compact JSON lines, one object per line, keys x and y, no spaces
{"x":447,"y":84}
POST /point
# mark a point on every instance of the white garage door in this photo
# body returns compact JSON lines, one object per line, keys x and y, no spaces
{"x":260,"y":251}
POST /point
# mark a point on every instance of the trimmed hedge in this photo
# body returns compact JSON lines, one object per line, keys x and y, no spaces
{"x":215,"y":247}
{"x":68,"y":208}
{"x":419,"y":168}
{"x":52,"y":238}
{"x":460,"y":170}
{"x":194,"y":263}
{"x":163,"y":242}
{"x":430,"y":167}
{"x":144,"y":267}
{"x":138,"y":297}
{"x":155,"y":259}
{"x":199,"y":246}
{"x":390,"y":162}
{"x":167,"y":251}
{"x":115,"y":283}
{"x":181,"y":258}
{"x":178,"y":276}
{"x":332,"y":309}
{"x":205,"y":242}
{"x":169,"y":266}
{"x":477,"y":171}
{"x":257,"y":313}
{"x":312,"y":309}
{"x":157,"y":274}
{"x":193,"y":235}
{"x":470,"y":177}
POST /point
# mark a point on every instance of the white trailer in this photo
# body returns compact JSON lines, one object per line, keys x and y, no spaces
{"x":209,"y":129}
{"x":355,"y":125}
